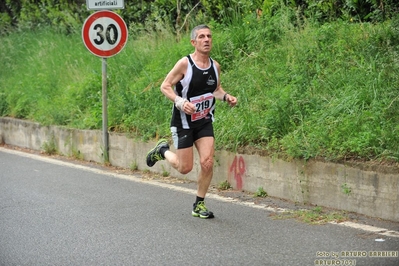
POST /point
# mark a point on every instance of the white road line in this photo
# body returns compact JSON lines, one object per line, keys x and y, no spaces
{"x":363,"y":227}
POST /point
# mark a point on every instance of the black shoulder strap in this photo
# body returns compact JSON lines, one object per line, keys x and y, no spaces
{"x":190,"y":60}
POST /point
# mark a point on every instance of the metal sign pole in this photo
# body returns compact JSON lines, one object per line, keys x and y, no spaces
{"x":105,"y":109}
{"x":99,"y":44}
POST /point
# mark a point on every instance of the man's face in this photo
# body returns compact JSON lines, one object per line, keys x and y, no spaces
{"x":203,"y":42}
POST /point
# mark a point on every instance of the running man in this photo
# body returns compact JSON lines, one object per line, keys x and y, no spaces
{"x":193,"y":85}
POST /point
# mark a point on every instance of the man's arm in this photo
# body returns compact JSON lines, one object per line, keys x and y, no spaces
{"x":221,"y":94}
{"x":173,"y":77}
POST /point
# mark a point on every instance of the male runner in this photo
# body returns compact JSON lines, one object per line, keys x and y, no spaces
{"x":193,"y":85}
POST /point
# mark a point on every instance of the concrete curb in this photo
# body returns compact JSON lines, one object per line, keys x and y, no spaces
{"x":364,"y":191}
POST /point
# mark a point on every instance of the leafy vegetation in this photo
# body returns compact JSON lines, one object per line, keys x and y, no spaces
{"x":67,"y":16}
{"x":225,"y":185}
{"x":309,"y":84}
{"x":49,"y":147}
{"x":315,"y":216}
{"x":260,"y":192}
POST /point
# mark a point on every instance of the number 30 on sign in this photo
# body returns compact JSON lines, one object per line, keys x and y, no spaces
{"x":104,"y":33}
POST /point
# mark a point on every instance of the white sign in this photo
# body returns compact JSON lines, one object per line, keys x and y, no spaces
{"x":105,"y":4}
{"x":104,"y":33}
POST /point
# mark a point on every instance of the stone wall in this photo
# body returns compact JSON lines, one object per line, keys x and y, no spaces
{"x":369,"y":191}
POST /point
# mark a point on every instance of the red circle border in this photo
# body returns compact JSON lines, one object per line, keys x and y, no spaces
{"x":86,"y":37}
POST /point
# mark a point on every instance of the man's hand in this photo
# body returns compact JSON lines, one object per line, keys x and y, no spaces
{"x":189,"y":108}
{"x":184,"y":105}
{"x":231,"y":100}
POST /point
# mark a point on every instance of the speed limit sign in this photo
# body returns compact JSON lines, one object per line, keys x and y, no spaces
{"x":104,"y":33}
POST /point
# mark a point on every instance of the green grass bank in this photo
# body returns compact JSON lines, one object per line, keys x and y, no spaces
{"x":315,"y":91}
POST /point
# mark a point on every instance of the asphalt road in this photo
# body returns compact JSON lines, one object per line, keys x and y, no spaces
{"x":59,"y":213}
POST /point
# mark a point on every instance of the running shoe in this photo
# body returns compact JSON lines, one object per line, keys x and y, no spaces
{"x":155,"y":155}
{"x":200,"y":210}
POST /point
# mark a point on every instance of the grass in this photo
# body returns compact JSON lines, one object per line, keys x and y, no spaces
{"x":224,"y":185}
{"x":346,"y":189}
{"x":260,"y":192}
{"x":49,"y":147}
{"x":165,"y":173}
{"x":76,"y":154}
{"x":304,"y":92}
{"x":134,"y":166}
{"x":314,"y":216}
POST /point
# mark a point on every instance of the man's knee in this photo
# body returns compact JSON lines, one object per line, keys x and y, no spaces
{"x":185,"y":169}
{"x":207,"y":164}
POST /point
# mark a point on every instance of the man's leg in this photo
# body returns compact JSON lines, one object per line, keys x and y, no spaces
{"x":156,"y":154}
{"x":181,"y":160}
{"x":205,"y":147}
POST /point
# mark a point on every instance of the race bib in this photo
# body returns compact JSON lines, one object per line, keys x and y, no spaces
{"x":203,"y":104}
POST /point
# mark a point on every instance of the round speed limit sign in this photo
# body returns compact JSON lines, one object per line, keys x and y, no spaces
{"x":104,"y":33}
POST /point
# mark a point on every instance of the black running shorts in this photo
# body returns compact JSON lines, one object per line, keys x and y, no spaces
{"x":184,"y":138}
